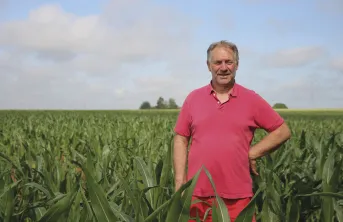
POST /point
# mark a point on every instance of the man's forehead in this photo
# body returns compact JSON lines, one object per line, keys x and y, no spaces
{"x":222,"y":56}
{"x":222,"y":48}
{"x":222,"y":52}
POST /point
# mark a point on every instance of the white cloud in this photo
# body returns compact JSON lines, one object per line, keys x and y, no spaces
{"x":56,"y":59}
{"x":317,"y":87}
{"x":119,"y":58}
{"x":337,"y":64}
{"x":315,"y":90}
{"x":51,"y":32}
{"x":295,"y":57}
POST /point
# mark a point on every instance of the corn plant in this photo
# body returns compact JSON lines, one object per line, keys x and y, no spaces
{"x":117,"y":166}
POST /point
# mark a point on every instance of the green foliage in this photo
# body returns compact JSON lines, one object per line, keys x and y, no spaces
{"x":280,"y":106}
{"x":117,"y":166}
{"x":145,"y":105}
{"x":160,"y":104}
{"x":172,"y":104}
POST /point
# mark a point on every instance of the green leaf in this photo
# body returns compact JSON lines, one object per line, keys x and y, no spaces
{"x":179,"y":210}
{"x":324,"y":194}
{"x":99,"y":203}
{"x":147,"y":178}
{"x":247,"y":214}
{"x":59,"y":208}
{"x":221,"y":210}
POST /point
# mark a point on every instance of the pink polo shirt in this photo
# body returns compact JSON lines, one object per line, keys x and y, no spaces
{"x":221,"y":137}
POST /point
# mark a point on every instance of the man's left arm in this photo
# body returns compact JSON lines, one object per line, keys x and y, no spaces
{"x":270,"y":142}
{"x":271,"y":121}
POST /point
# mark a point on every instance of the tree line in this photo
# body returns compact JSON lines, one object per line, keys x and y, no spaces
{"x":171,"y":104}
{"x":160,"y":104}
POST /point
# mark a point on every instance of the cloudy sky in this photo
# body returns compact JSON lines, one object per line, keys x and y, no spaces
{"x":115,"y":54}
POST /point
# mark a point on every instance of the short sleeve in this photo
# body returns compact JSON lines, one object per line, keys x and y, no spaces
{"x":183,"y":123}
{"x":265,"y":116}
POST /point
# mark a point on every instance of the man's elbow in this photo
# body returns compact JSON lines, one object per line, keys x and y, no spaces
{"x":283,"y":132}
{"x":179,"y":139}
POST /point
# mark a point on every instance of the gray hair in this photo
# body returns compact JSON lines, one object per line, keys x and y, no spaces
{"x":225,"y":44}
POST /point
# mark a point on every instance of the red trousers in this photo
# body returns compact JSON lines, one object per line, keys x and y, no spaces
{"x":234,"y":206}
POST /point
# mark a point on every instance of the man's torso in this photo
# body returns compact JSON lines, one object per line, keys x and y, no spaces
{"x":221,"y":137}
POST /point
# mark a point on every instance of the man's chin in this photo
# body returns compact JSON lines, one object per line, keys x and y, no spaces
{"x":223,"y":81}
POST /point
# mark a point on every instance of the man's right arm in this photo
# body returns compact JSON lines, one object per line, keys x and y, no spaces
{"x":181,"y":139}
{"x":180,"y":160}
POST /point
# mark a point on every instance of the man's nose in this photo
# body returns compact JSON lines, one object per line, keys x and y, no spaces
{"x":223,"y":66}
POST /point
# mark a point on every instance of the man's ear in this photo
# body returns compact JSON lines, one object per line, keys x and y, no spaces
{"x":208,"y":65}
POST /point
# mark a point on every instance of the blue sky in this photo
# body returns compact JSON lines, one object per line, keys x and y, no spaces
{"x":112,"y":54}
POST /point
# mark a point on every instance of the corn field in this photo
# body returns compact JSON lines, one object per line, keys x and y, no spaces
{"x":117,"y":166}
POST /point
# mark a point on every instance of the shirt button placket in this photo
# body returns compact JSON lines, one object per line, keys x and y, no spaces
{"x":215,"y":97}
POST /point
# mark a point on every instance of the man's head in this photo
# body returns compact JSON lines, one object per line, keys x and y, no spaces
{"x":222,"y":62}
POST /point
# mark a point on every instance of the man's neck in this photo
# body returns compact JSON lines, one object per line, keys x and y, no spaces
{"x":223,"y":89}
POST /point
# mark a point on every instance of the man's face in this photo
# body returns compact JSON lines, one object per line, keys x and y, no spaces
{"x":222,"y":65}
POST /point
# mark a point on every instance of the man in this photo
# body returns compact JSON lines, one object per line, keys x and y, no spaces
{"x":220,"y":119}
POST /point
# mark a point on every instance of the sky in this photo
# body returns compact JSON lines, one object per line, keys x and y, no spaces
{"x":116,"y":54}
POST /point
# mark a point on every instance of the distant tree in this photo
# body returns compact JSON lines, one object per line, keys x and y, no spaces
{"x":145,"y":105}
{"x":161,"y":104}
{"x":172,"y":104}
{"x":280,"y":106}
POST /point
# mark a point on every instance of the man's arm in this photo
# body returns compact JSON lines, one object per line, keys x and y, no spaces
{"x":182,"y":136}
{"x":180,"y":159}
{"x":271,"y":121}
{"x":271,"y":142}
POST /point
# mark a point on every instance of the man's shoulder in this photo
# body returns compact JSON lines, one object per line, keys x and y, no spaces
{"x":251,"y":95}
{"x":245,"y":91}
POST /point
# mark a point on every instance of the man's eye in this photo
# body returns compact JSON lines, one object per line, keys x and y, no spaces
{"x":226,"y":62}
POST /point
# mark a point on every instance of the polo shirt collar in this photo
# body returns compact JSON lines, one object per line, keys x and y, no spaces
{"x":234,"y":91}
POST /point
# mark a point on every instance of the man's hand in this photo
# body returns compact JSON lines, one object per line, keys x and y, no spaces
{"x":178,"y":184}
{"x":253,"y":166}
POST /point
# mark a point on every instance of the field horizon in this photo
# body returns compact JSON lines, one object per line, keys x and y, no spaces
{"x":121,"y":110}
